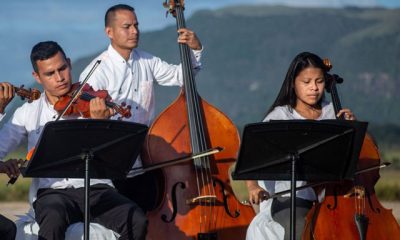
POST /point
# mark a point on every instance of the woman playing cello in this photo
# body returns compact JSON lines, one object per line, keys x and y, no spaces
{"x":301,"y":97}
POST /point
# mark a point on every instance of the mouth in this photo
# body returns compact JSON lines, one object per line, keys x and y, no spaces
{"x":62,"y":86}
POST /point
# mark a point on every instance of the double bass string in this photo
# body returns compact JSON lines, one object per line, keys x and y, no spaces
{"x":202,"y":165}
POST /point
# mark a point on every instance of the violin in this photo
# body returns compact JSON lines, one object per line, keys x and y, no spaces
{"x":81,"y":106}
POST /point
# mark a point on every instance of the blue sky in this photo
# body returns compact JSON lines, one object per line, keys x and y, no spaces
{"x":78,"y":25}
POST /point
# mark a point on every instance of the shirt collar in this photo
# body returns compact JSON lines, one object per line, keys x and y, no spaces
{"x":115,"y":56}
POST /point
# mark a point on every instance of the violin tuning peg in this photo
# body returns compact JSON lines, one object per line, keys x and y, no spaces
{"x":123,"y":104}
{"x":129,"y":107}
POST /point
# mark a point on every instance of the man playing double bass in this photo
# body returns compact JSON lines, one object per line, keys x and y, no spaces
{"x":129,"y":74}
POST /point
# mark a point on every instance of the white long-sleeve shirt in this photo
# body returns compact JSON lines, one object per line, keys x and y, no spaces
{"x":133,"y":81}
{"x":263,"y":225}
{"x":27,"y":124}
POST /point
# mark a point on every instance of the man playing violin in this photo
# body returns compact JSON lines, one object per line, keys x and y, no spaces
{"x":60,"y":202}
{"x":129,"y":74}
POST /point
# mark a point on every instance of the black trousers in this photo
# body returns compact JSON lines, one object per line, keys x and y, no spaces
{"x":56,"y":209}
{"x":8,"y":230}
{"x":280,"y":211}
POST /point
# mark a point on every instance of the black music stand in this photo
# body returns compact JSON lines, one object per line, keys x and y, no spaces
{"x":309,"y":150}
{"x":104,"y":149}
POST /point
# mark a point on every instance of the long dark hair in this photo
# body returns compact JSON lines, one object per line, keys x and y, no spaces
{"x":287,"y":95}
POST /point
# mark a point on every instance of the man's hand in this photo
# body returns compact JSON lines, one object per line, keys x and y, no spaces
{"x":11,"y":167}
{"x":6,"y":95}
{"x":99,"y":110}
{"x":189,"y":37}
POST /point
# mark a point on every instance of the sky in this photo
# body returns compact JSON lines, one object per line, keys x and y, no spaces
{"x":78,"y":26}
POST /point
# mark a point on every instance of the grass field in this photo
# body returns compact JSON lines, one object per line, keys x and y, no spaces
{"x":387,"y":188}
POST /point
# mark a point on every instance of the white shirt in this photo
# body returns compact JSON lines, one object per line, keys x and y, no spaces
{"x":27,"y":123}
{"x":263,"y":225}
{"x":132,"y":81}
{"x":284,"y":113}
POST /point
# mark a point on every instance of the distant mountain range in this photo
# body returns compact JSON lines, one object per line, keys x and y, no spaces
{"x":247,"y":50}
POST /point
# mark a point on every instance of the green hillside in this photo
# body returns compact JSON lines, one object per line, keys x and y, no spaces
{"x":248,"y":50}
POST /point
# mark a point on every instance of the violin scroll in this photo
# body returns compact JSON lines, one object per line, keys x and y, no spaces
{"x":30,"y":95}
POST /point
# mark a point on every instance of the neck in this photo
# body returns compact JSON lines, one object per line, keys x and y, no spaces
{"x":51,"y":99}
{"x":309,"y":112}
{"x":125,"y":53}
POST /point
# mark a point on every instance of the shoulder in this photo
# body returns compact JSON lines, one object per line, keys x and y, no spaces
{"x":27,"y":111}
{"x":280,"y":113}
{"x":140,"y":55}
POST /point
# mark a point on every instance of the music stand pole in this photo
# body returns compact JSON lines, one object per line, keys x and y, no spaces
{"x":294,"y":158}
{"x":88,"y":156}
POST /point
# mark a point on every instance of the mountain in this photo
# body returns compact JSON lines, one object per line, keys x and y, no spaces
{"x":247,"y":50}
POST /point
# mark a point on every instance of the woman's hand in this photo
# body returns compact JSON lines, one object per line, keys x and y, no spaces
{"x":347,"y":113}
{"x":256,"y":193}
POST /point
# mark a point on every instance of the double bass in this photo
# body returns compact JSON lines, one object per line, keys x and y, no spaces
{"x":196,"y":200}
{"x":350,"y":209}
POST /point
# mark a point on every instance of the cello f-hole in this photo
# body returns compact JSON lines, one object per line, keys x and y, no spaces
{"x":225,"y":198}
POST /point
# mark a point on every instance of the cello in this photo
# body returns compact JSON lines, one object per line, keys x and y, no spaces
{"x":196,"y":200}
{"x":350,"y":209}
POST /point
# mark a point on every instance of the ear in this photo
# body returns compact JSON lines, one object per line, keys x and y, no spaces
{"x":109,"y":32}
{"x":36,"y":77}
{"x":69,"y":63}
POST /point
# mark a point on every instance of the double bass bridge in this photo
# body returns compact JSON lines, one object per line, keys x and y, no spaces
{"x":204,"y":200}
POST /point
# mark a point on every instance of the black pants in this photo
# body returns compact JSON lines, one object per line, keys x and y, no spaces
{"x":8,"y":230}
{"x":56,"y":209}
{"x":280,"y":211}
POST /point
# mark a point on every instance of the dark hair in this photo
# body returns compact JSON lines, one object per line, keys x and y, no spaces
{"x":110,"y":14}
{"x":287,"y":95}
{"x":43,"y":51}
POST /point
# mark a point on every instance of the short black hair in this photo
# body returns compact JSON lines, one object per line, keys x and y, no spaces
{"x":110,"y":14}
{"x":43,"y":51}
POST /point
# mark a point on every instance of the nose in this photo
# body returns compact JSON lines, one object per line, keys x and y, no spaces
{"x":134,"y":29}
{"x":59,"y":76}
{"x":314,"y":86}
